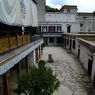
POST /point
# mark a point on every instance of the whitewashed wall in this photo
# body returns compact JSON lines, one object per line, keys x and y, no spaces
{"x":75,"y":27}
{"x":60,"y":17}
{"x":87,"y":23}
{"x":93,"y":68}
{"x":84,"y":56}
{"x":71,"y":19}
{"x":64,"y":20}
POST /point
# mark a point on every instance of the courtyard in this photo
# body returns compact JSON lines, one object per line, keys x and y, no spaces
{"x":73,"y":78}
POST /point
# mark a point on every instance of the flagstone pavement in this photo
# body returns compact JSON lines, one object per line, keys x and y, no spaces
{"x":73,"y":78}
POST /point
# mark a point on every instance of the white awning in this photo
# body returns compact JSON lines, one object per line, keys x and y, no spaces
{"x":18,"y":12}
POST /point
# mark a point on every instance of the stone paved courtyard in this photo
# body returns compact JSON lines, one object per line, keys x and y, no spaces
{"x":73,"y":78}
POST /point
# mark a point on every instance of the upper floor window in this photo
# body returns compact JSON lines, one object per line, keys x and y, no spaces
{"x":39,"y":28}
{"x":44,"y":28}
{"x":81,"y":25}
{"x":59,"y":29}
{"x":68,"y":10}
{"x":51,"y":29}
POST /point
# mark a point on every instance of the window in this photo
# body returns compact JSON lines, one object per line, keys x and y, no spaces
{"x":74,"y":44}
{"x":81,"y":25}
{"x":59,"y":40}
{"x":51,"y":28}
{"x":59,"y":29}
{"x":51,"y":40}
{"x":68,"y":41}
{"x":68,"y":10}
{"x":44,"y":29}
{"x":39,"y":28}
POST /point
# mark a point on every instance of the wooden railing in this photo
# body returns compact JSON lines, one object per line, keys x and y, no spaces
{"x":8,"y":43}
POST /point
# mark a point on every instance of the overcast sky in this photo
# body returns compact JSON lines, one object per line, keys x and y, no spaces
{"x":83,"y":5}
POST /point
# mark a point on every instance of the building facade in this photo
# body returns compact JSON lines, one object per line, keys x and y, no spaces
{"x":83,"y":47}
{"x":20,"y":45}
{"x":68,"y":20}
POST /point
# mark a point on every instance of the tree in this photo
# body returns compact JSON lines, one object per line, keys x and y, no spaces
{"x":39,"y":81}
{"x":50,"y":9}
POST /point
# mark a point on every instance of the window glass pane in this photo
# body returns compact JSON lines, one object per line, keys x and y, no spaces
{"x":51,"y":28}
{"x":58,"y":28}
{"x":44,"y":29}
{"x":74,"y":44}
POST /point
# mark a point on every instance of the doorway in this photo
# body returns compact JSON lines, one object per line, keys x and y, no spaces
{"x":65,"y":42}
{"x":70,"y":44}
{"x":94,"y":82}
{"x":78,"y":53}
{"x":68,"y":29}
{"x":90,"y":61}
{"x":46,"y":41}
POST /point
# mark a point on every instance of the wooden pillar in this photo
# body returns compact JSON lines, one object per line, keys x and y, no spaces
{"x":18,"y":69}
{"x":39,"y":52}
{"x":18,"y":66}
{"x":36,"y":54}
{"x":41,"y":49}
{"x":27,"y":64}
{"x":5,"y":85}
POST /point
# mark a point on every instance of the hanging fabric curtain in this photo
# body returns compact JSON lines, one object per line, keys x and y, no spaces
{"x":18,"y":12}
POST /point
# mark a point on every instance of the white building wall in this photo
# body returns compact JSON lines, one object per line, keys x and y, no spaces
{"x":74,"y":27}
{"x":87,"y":23}
{"x":64,"y":20}
{"x":84,"y":56}
{"x":93,"y":68}
{"x":60,"y":17}
{"x":71,"y":19}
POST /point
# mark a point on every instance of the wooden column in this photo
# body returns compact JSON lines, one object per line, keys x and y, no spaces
{"x":18,"y":67}
{"x":5,"y":85}
{"x":41,"y":49}
{"x":36,"y":54}
{"x":39,"y":52}
{"x":27,"y":64}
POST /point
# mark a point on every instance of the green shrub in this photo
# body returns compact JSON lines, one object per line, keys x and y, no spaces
{"x":39,"y":81}
{"x":41,"y":63}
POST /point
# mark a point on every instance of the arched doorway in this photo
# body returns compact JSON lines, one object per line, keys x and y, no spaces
{"x":68,"y":28}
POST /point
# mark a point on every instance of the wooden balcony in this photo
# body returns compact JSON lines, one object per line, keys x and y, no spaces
{"x":11,"y":42}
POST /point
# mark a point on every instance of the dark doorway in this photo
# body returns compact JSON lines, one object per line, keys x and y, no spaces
{"x":78,"y":53}
{"x":65,"y":42}
{"x":94,"y":82}
{"x":70,"y":44}
{"x":59,"y":40}
{"x":51,"y":40}
{"x":90,"y":61}
{"x":68,"y":29}
{"x":46,"y":41}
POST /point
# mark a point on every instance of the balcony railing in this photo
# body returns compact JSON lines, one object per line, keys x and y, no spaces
{"x":52,"y":33}
{"x":36,"y":38}
{"x":11,"y":42}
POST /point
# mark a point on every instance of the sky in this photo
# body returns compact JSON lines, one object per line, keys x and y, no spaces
{"x":83,"y":5}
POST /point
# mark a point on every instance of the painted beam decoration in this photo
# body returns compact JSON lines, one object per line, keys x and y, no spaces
{"x":18,"y":12}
